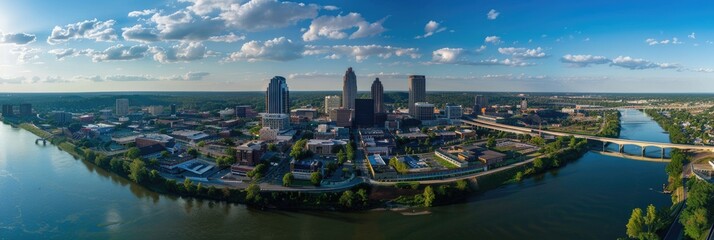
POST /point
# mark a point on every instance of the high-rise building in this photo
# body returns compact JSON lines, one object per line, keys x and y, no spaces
{"x":122,"y":106}
{"x":424,"y":111}
{"x":155,"y":110}
{"x":480,"y":102}
{"x":417,"y":91}
{"x":332,"y":102}
{"x":524,"y":105}
{"x":173,"y":109}
{"x":25,"y":109}
{"x":277,"y":96}
{"x":342,"y":117}
{"x":349,"y":89}
{"x":61,"y":117}
{"x":242,"y":111}
{"x":378,"y":96}
{"x":364,"y":113}
{"x":279,"y":121}
{"x":7,"y":110}
{"x":453,"y":111}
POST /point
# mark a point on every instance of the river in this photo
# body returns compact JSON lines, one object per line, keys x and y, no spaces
{"x":47,"y":194}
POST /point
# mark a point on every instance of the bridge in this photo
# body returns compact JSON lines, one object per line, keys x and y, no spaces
{"x":640,"y":107}
{"x":605,"y":140}
{"x":43,"y":140}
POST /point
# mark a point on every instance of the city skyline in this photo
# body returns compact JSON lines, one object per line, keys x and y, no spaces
{"x":188,"y":45}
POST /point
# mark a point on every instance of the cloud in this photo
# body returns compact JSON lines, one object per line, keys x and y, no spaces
{"x":89,"y":29}
{"x":652,"y":41}
{"x":523,"y":53}
{"x":184,"y":25}
{"x":447,"y":55}
{"x":62,"y":53}
{"x":496,"y":62}
{"x":140,"y":34}
{"x":228,"y":38}
{"x":16,"y":38}
{"x":492,"y":14}
{"x":194,"y":76}
{"x":142,"y":13}
{"x":277,"y":49}
{"x":184,"y":52}
{"x":12,"y":80}
{"x":493,"y":39}
{"x":130,"y":78}
{"x":25,"y":54}
{"x":583,"y":60}
{"x":431,"y":28}
{"x":334,"y":27}
{"x":267,"y":14}
{"x":692,"y":36}
{"x":638,"y":63}
{"x":190,"y":76}
{"x":362,"y":52}
{"x":119,"y":52}
{"x":331,"y":8}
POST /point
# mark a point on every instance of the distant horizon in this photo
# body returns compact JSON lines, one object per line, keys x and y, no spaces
{"x":340,"y":92}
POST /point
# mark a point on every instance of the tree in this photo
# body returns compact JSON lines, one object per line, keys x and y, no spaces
{"x":165,"y":154}
{"x":288,"y":179}
{"x":429,"y":196}
{"x":188,"y":185}
{"x":347,"y":199}
{"x":272,"y":147}
{"x":341,"y":157}
{"x":635,"y":225}
{"x":350,"y":151}
{"x":74,"y":127}
{"x":298,"y":151}
{"x":652,"y":219}
{"x":193,"y":152}
{"x":538,"y":164}
{"x":132,"y":153}
{"x":491,"y":142}
{"x":462,"y":185}
{"x":201,"y":144}
{"x":199,"y":188}
{"x":253,"y":193}
{"x":137,"y":170}
{"x":362,"y":196}
{"x":231,"y":152}
{"x":315,"y":178}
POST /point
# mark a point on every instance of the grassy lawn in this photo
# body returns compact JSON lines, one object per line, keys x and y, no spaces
{"x":301,"y":183}
{"x":35,"y":130}
{"x":70,"y":148}
{"x":444,"y":163}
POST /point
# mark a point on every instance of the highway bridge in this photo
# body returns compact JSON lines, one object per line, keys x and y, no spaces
{"x":605,"y":140}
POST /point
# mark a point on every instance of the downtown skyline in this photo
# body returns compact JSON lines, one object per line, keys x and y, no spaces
{"x":203,"y":45}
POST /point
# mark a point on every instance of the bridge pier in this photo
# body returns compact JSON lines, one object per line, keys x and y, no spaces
{"x":662,"y":156}
{"x":621,"y":148}
{"x":643,"y":150}
{"x":604,"y":146}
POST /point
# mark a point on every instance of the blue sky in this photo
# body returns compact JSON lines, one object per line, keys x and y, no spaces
{"x":232,"y":45}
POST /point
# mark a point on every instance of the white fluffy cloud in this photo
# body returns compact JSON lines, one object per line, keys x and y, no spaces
{"x":447,"y":55}
{"x":184,"y":25}
{"x":16,"y":38}
{"x":584,"y":60}
{"x":183,"y":52}
{"x":638,"y":63}
{"x":493,"y":39}
{"x":267,"y":14}
{"x":139,"y":33}
{"x":189,"y":76}
{"x":335,"y":27}
{"x":431,"y":28}
{"x":119,"y":52}
{"x":523,"y":53}
{"x":62,"y":53}
{"x":25,"y":54}
{"x":89,"y":29}
{"x":142,"y":13}
{"x":277,"y":49}
{"x":362,"y":52}
{"x":228,"y":38}
{"x":492,"y":14}
{"x":692,"y":36}
{"x":652,"y":41}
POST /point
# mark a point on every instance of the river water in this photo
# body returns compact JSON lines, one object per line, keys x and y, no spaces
{"x":47,"y":194}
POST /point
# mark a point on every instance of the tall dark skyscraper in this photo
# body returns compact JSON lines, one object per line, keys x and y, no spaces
{"x":378,"y":95}
{"x":349,"y":89}
{"x":364,"y":113}
{"x":277,"y":96}
{"x":480,"y":101}
{"x":417,"y":91}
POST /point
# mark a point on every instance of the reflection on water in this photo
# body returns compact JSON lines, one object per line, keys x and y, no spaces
{"x":48,"y":194}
